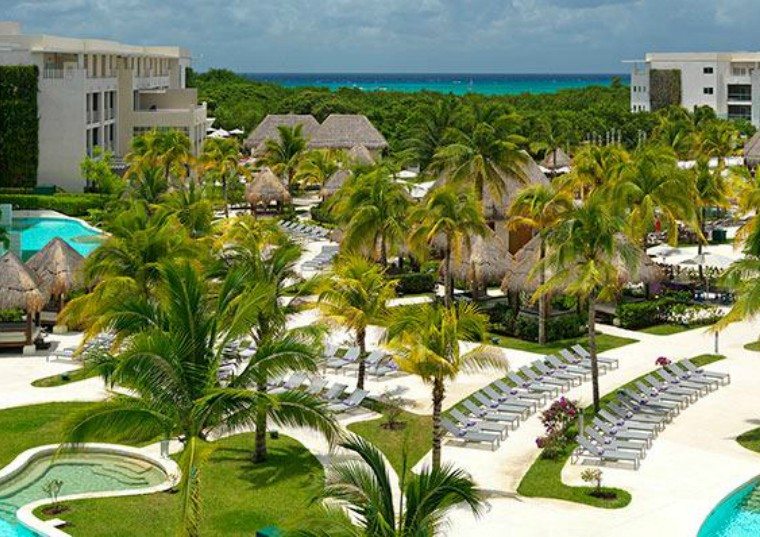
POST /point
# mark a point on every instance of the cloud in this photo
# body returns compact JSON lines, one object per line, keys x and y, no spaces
{"x":403,"y":35}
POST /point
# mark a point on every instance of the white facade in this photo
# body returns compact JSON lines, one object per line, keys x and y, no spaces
{"x":729,"y":83}
{"x":101,"y":93}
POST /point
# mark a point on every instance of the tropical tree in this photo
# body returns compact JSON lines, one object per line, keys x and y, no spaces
{"x":424,"y":341}
{"x":540,"y":207}
{"x":594,"y":166}
{"x":746,"y":186}
{"x":372,"y":208}
{"x":167,"y":370}
{"x":431,"y":131}
{"x":452,"y":214}
{"x":220,"y":158}
{"x":168,"y":149}
{"x":710,"y":189}
{"x":316,"y":166}
{"x":146,"y":184}
{"x":354,"y":294}
{"x":192,"y":209}
{"x":282,"y":155}
{"x":590,"y":259}
{"x":365,"y":488}
{"x":98,"y":172}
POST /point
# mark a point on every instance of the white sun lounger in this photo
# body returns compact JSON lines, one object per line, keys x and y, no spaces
{"x":293,"y":383}
{"x":583,"y":353}
{"x":334,"y":393}
{"x":667,"y":376}
{"x":532,"y":375}
{"x":467,"y":422}
{"x":559,"y":374}
{"x":471,"y":436}
{"x":510,"y":418}
{"x":725,"y":378}
{"x":351,"y":402}
{"x":602,"y":440}
{"x":622,"y":432}
{"x":316,"y":385}
{"x":522,"y":393}
{"x":584,"y":372}
{"x":603,"y":454}
{"x":487,"y":402}
{"x":531,"y":385}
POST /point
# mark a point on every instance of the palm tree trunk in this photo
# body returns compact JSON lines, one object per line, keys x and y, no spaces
{"x":383,"y":251}
{"x":699,"y":240}
{"x":260,"y":446}
{"x":542,"y":300}
{"x":224,"y":195}
{"x":592,"y":350}
{"x":448,"y":281}
{"x":438,"y":393}
{"x":361,"y":340}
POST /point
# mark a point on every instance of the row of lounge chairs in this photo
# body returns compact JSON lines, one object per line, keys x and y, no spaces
{"x":305,"y":230}
{"x":318,"y":387}
{"x":623,"y":430}
{"x":376,"y":363}
{"x":323,"y":258}
{"x":490,"y":413}
{"x":101,"y":342}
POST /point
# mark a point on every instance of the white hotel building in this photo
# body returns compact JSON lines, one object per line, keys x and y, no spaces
{"x":101,"y":93}
{"x":728,"y":82}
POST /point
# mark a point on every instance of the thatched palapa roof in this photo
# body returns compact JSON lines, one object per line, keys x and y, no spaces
{"x":344,"y":131}
{"x":18,"y":285}
{"x":752,"y":151}
{"x":265,"y":188}
{"x":360,"y":156}
{"x":267,"y":129}
{"x":336,"y":180}
{"x":57,"y":267}
{"x":555,"y":159}
{"x":486,"y":260}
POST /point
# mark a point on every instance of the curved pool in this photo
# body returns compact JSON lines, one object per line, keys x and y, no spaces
{"x":81,"y":473}
{"x":36,"y":232}
{"x":738,"y":515}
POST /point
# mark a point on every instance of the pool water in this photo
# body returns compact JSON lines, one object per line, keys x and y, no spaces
{"x":736,"y":516}
{"x":79,"y":472}
{"x":38,"y":231}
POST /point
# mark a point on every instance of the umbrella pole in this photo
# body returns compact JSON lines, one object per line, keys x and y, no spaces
{"x":28,"y":327}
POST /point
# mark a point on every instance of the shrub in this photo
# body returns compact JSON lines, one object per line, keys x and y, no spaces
{"x":502,"y":319}
{"x":19,"y":124}
{"x":640,"y":314}
{"x":319,"y":213}
{"x":13,"y":315}
{"x":672,"y":307}
{"x":559,"y":327}
{"x":557,"y":420}
{"x":415,"y":283}
{"x":68,"y":204}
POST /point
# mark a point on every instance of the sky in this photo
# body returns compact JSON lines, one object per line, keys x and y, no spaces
{"x":397,"y":36}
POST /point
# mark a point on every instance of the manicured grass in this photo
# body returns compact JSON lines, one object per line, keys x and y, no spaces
{"x":750,"y":440}
{"x":754,"y":346}
{"x":66,"y":377}
{"x":238,"y":496}
{"x":416,"y":436}
{"x":544,"y":478}
{"x":26,"y":427}
{"x":604,"y":342}
{"x":665,"y":329}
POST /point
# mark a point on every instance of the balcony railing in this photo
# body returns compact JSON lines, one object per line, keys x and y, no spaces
{"x":52,"y":72}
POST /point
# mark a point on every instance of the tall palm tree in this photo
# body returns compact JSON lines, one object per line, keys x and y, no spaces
{"x":590,"y":259}
{"x":282,"y":155}
{"x":354,"y":294}
{"x":594,"y":166}
{"x":168,"y":149}
{"x":317,"y":166}
{"x":220,"y":158}
{"x":364,"y":487}
{"x":167,"y":369}
{"x":710,"y":189}
{"x":372,"y":208}
{"x":425,"y":342}
{"x":453,"y":214}
{"x":540,"y":207}
{"x":747,"y":190}
{"x":146,"y":184}
{"x":192,"y":209}
{"x":432,"y":131}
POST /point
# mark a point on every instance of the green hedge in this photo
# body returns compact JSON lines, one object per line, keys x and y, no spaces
{"x":19,"y":124}
{"x":415,"y":283}
{"x":68,"y":204}
{"x":13,"y":315}
{"x":635,"y":315}
{"x":664,"y":88}
{"x":558,"y":327}
{"x":319,"y":213}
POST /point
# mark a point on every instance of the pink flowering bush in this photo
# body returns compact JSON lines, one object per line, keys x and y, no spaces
{"x":556,"y":419}
{"x":662,"y":361}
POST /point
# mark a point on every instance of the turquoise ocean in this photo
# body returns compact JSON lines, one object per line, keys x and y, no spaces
{"x":459,"y":84}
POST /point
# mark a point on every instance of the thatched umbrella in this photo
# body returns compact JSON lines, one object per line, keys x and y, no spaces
{"x":360,"y":156}
{"x":57,"y":268}
{"x":752,"y":151}
{"x":265,"y":188}
{"x":485,"y":261}
{"x":344,"y":131}
{"x":19,"y":289}
{"x":335,"y":182}
{"x":556,"y":159}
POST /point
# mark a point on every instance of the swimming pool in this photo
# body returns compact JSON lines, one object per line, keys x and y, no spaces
{"x":738,"y":515}
{"x":36,"y":232}
{"x":79,"y":472}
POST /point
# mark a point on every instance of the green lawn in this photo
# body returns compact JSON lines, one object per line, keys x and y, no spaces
{"x":665,"y":329}
{"x":754,"y":346}
{"x":604,"y":342}
{"x":66,"y":377}
{"x":750,"y":440}
{"x":416,"y":434}
{"x":238,"y":496}
{"x":544,"y":478}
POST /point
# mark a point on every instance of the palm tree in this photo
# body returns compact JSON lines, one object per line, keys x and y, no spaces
{"x":425,"y":342}
{"x":192,"y":209}
{"x":364,"y":487}
{"x":317,"y":166}
{"x":168,"y":149}
{"x":432,"y":130}
{"x":146,"y":184}
{"x":450,"y":213}
{"x":282,"y":155}
{"x":372,"y":208}
{"x":540,"y":207}
{"x":590,"y":259}
{"x":747,"y":188}
{"x":167,"y":369}
{"x":221,"y":157}
{"x":354,"y":294}
{"x":594,"y":166}
{"x":710,"y":190}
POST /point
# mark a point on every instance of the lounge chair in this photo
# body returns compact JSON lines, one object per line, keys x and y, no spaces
{"x":471,"y":436}
{"x":622,"y":432}
{"x":603,"y":454}
{"x":571,"y":378}
{"x":316,"y":385}
{"x":374,"y":365}
{"x":663,"y":394}
{"x":293,"y":383}
{"x":532,"y":375}
{"x":613,"y":363}
{"x":651,"y":402}
{"x":667,"y":376}
{"x":351,"y":402}
{"x":334,"y":393}
{"x":522,"y":393}
{"x":70,"y":354}
{"x":631,"y":423}
{"x":351,"y":356}
{"x":501,"y":407}
{"x":691,"y":393}
{"x":502,"y":429}
{"x":724,"y":378}
{"x":686,"y":375}
{"x":503,"y":398}
{"x":584,"y":372}
{"x":532,"y":386}
{"x":275,"y":381}
{"x":510,"y":418}
{"x":573,"y":359}
{"x":602,"y":440}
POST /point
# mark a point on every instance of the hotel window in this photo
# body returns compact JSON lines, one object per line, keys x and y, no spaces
{"x":707,"y":91}
{"x":739,"y":92}
{"x":739,"y":71}
{"x":707,"y":70}
{"x":739,"y":111}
